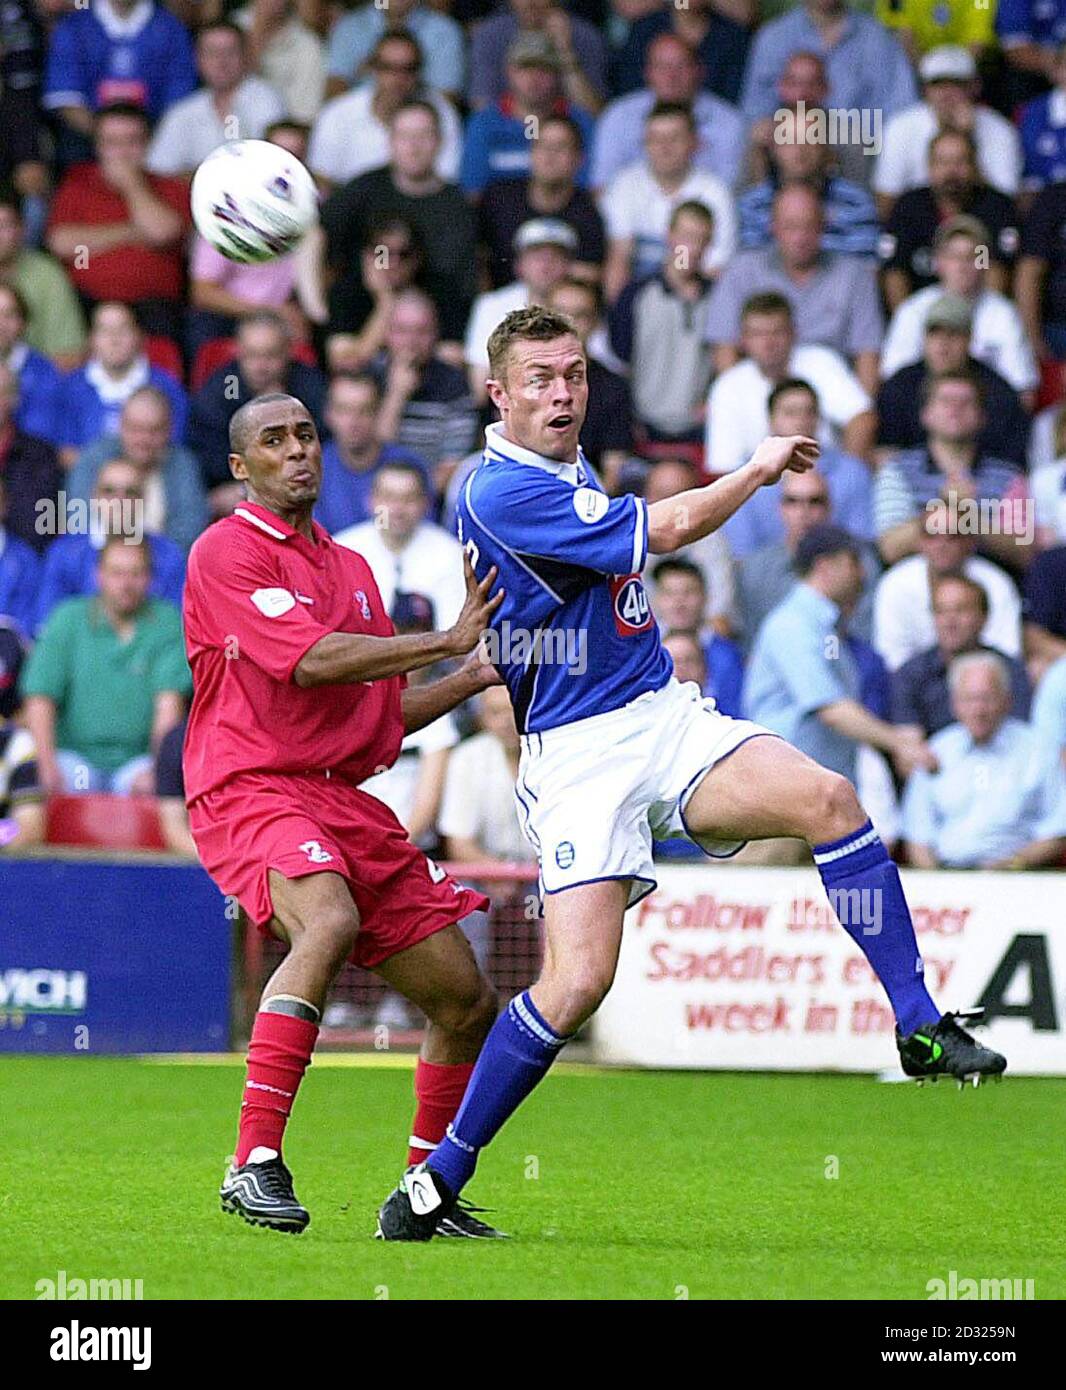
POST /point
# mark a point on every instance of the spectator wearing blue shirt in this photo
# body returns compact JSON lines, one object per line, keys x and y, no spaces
{"x":579,"y":45}
{"x":867,"y":67}
{"x":850,"y":223}
{"x":1049,"y":708}
{"x":354,"y":452}
{"x":132,"y":51}
{"x":497,"y":144}
{"x":803,"y":680}
{"x":996,"y":797}
{"x":39,"y":379}
{"x":672,"y":73}
{"x":679,"y":602}
{"x":174,"y":499}
{"x":793,"y":409}
{"x":721,"y":45}
{"x":920,"y":692}
{"x":1030,"y":33}
{"x":71,"y":565}
{"x":20,"y":574}
{"x":93,"y":397}
{"x":1043,"y":131}
{"x":355,"y":36}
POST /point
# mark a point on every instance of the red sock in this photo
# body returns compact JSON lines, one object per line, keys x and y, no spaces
{"x":438,"y":1090}
{"x":278,"y":1055}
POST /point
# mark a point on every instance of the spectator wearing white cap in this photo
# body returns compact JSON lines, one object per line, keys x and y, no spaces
{"x":544,"y":249}
{"x":949,"y":100}
{"x":638,"y":202}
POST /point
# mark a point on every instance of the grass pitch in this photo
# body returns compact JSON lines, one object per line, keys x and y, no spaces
{"x":613,"y":1185}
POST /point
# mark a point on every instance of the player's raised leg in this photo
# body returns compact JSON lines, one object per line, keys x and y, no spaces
{"x":319,"y":920}
{"x":765,"y":789}
{"x":583,"y":933}
{"x":440,"y":975}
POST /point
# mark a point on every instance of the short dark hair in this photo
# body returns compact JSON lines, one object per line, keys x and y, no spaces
{"x":590,"y":287}
{"x":533,"y":324}
{"x":381,"y":225}
{"x":402,"y":465}
{"x":692,"y":207}
{"x":128,"y":109}
{"x":672,"y":108}
{"x":287,"y":123}
{"x":225,"y":24}
{"x":674,"y":564}
{"x":767,"y":302}
{"x":265,"y":318}
{"x":418,"y":104}
{"x":241,"y":421}
{"x":963,"y":374}
{"x":790,"y":383}
{"x":357,"y":379}
{"x":390,"y":36}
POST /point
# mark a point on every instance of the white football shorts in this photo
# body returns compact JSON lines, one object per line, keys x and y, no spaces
{"x":593,"y":795}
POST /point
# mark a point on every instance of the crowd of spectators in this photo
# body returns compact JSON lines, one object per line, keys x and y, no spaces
{"x":831,"y":218}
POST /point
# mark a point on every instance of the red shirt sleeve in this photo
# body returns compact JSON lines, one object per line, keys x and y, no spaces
{"x":236,"y":601}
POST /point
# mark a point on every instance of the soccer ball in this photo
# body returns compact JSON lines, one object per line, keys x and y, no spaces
{"x":253,"y":200}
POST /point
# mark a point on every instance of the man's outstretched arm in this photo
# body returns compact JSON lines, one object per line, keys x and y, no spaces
{"x":689,"y":516}
{"x":344,"y":657}
{"x":422,"y":704}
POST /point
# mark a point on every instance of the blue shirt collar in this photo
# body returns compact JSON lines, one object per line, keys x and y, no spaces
{"x":498,"y":447}
{"x":816,"y":604}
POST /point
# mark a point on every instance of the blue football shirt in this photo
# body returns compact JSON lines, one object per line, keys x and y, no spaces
{"x":575,"y":635}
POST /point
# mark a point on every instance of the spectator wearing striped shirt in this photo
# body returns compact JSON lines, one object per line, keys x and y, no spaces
{"x":426,"y":404}
{"x":951,"y":468}
{"x":850,"y":218}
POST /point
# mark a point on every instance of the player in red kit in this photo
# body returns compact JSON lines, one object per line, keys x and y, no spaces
{"x":299,"y":695}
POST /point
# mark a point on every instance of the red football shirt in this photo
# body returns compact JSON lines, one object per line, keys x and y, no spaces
{"x":128,"y":273}
{"x":258,"y":595}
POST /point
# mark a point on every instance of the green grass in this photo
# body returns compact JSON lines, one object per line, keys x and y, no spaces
{"x":613,"y":1185}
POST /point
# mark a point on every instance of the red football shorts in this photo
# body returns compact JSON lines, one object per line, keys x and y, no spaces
{"x":307,"y":823}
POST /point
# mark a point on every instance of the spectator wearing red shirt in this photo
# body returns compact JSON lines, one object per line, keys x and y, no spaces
{"x":120,"y":230}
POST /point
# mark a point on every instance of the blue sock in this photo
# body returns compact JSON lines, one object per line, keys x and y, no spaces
{"x":864,"y":890}
{"x":518,"y":1051}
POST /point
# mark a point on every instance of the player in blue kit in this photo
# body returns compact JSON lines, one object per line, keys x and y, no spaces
{"x":617,"y":753}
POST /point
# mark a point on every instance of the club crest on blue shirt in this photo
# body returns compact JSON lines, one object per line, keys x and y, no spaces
{"x":364,"y":604}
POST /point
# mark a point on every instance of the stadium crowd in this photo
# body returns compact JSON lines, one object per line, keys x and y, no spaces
{"x":843,"y":220}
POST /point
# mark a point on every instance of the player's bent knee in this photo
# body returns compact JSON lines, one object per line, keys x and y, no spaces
{"x":333,"y":934}
{"x":577,"y":997}
{"x":468,"y":1013}
{"x":835,"y":809}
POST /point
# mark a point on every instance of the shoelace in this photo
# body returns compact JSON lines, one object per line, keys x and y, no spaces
{"x":275,"y":1181}
{"x":464,"y":1204}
